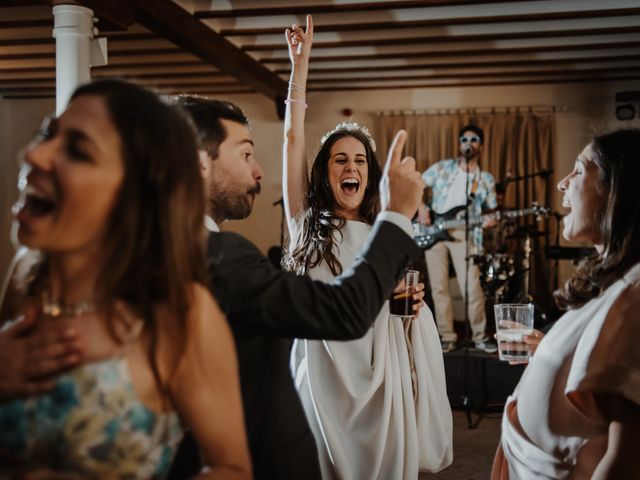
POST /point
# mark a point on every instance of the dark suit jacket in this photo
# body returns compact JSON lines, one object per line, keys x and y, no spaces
{"x":266,"y":308}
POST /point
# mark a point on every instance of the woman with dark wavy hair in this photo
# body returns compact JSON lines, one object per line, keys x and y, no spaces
{"x":377,"y":406}
{"x":110,"y":217}
{"x":326,"y":214}
{"x":576,"y":411}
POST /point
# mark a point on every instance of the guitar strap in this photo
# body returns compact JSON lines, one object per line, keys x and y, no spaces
{"x":476,"y":181}
{"x":474,"y":186}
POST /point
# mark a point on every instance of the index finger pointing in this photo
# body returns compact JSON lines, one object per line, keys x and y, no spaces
{"x":395,"y":151}
{"x":309,"y":30}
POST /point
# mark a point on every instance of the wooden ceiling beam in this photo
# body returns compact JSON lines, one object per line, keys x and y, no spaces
{"x":175,"y":24}
{"x":177,"y":88}
{"x":50,"y":40}
{"x":26,"y":56}
{"x":10,"y":42}
{"x":23,"y":3}
{"x":211,"y":75}
{"x":118,"y":14}
{"x":35,"y":93}
{"x":28,"y":70}
{"x":471,"y":64}
{"x":35,"y":23}
{"x":145,"y":65}
{"x":312,"y":83}
{"x":157,"y":80}
{"x":131,"y":52}
{"x":426,"y":54}
{"x":478,"y":37}
{"x":336,"y":8}
{"x":444,"y":22}
{"x":507,"y":83}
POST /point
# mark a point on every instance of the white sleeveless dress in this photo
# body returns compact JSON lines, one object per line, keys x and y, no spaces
{"x":359,"y":396}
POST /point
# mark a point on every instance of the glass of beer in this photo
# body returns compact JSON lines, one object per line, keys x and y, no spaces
{"x":401,"y":301}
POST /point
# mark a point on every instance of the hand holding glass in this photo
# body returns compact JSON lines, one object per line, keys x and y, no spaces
{"x":401,"y":301}
{"x":513,"y":321}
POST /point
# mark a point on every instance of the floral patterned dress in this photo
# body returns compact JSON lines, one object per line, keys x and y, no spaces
{"x":92,"y":424}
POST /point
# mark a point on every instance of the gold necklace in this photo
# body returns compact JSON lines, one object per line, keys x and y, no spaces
{"x":56,"y":307}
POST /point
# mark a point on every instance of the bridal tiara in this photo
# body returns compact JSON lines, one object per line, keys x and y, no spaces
{"x":350,"y":127}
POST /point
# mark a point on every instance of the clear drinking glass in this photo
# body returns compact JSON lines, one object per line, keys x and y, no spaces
{"x":513,"y":321}
{"x":401,"y":302}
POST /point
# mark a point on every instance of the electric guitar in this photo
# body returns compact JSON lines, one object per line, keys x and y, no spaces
{"x":426,"y":236}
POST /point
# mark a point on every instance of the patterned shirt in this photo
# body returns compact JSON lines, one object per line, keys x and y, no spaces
{"x":441,"y":175}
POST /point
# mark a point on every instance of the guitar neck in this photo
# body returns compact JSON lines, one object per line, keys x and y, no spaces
{"x":475,"y":221}
{"x":428,"y":235}
{"x":518,"y":213}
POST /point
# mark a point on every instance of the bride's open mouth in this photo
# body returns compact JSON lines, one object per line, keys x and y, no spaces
{"x":350,"y":186}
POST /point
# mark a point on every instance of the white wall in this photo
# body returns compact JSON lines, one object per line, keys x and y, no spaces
{"x":590,"y":108}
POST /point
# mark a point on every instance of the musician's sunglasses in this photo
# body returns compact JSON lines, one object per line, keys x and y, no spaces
{"x":473,"y":139}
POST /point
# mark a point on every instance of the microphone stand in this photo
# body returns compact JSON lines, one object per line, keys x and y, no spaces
{"x":466,"y":398}
{"x":467,"y":401}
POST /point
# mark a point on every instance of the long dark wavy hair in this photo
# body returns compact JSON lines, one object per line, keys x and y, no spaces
{"x":618,"y":159}
{"x":320,"y":223}
{"x":154,"y":241}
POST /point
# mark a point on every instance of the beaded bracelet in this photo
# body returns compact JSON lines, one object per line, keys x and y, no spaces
{"x":295,"y":85}
{"x":295,"y":100}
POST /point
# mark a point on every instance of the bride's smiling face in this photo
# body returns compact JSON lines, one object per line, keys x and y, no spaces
{"x":348,"y":175}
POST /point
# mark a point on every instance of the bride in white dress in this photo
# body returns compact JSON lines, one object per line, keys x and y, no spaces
{"x":377,"y":405}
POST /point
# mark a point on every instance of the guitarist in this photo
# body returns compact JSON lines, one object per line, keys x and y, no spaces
{"x":447,"y":180}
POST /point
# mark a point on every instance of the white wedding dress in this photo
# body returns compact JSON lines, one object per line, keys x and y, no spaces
{"x":359,"y":397}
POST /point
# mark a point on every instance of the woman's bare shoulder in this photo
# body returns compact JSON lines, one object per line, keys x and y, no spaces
{"x":628,"y":302}
{"x":204,"y":308}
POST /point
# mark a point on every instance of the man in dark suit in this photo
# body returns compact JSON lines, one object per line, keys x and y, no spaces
{"x":266,"y":307}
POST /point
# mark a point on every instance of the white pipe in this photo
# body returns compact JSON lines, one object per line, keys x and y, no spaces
{"x":73,"y":31}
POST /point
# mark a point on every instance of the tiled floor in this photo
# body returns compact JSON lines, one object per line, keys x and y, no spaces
{"x":473,"y":449}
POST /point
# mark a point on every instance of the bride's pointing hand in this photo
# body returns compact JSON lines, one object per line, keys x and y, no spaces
{"x":299,"y":42}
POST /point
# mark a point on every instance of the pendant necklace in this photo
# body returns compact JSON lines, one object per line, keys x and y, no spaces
{"x":56,"y":307}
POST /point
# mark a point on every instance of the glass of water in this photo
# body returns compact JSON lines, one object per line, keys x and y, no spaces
{"x":513,"y":321}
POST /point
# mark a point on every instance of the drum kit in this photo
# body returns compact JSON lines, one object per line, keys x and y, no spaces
{"x":504,"y":270}
{"x":496,"y":273}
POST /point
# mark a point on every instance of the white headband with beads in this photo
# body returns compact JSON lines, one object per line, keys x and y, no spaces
{"x":350,"y":127}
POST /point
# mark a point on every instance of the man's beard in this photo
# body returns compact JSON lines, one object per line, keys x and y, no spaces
{"x":226,"y":205}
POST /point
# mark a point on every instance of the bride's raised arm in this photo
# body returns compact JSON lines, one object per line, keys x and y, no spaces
{"x":295,"y":181}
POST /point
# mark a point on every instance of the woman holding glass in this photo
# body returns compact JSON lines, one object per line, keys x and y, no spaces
{"x":377,"y":406}
{"x":576,"y":411}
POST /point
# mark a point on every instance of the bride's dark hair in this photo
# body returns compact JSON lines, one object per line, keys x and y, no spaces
{"x":319,"y":222}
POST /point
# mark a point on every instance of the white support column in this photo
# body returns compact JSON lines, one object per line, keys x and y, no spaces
{"x":73,"y":31}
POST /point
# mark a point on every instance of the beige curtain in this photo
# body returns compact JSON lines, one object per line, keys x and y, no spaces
{"x":518,"y":144}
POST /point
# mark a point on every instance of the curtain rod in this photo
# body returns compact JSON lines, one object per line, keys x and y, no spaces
{"x":477,"y":110}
